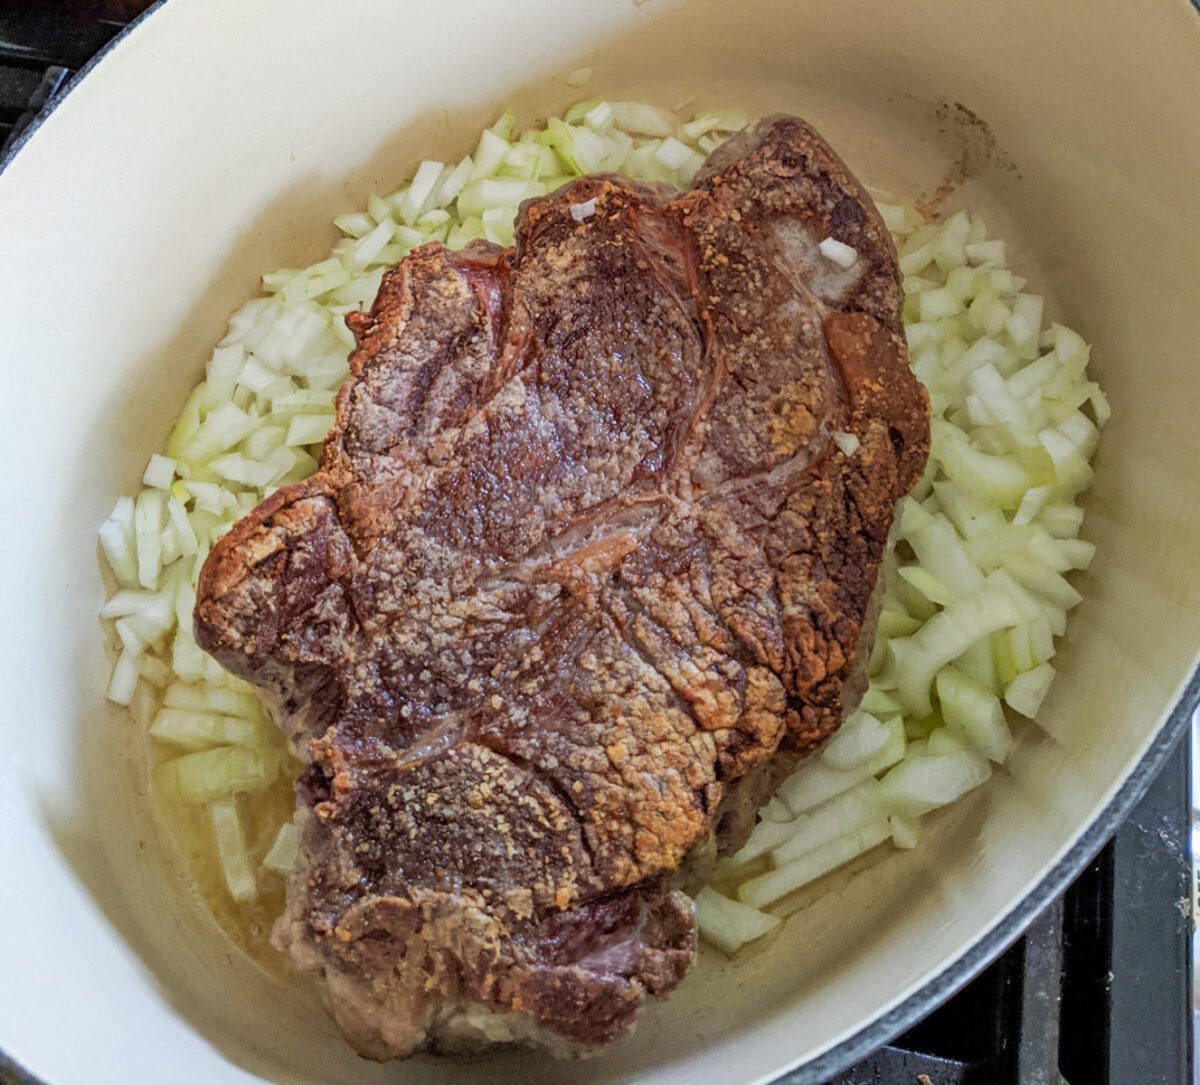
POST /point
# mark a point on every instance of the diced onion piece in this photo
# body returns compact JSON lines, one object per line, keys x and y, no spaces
{"x":1077,"y":552}
{"x":898,"y":218}
{"x":282,"y":855}
{"x":159,"y":473}
{"x":200,"y":730}
{"x":766,"y":836}
{"x":894,"y":621}
{"x":1001,"y":480}
{"x":224,"y":427}
{"x":878,"y":703}
{"x":147,"y":526}
{"x":1061,"y":521}
{"x":857,"y":741}
{"x":1031,"y":504}
{"x":847,"y":443}
{"x":815,"y":782}
{"x":367,"y":248}
{"x":421,"y":191}
{"x":218,"y":773}
{"x":730,"y":924}
{"x":1041,"y":639}
{"x":124,"y":678}
{"x":643,"y":119}
{"x":1043,"y":581}
{"x":938,"y":546}
{"x":309,"y":429}
{"x":354,"y":225}
{"x":904,"y":832}
{"x":767,"y":888}
{"x":189,"y":419}
{"x":126,"y":602}
{"x":203,"y":698}
{"x":842,"y":814}
{"x":184,"y":532}
{"x":946,"y":636}
{"x":968,"y":514}
{"x":927,"y":584}
{"x":301,"y":401}
{"x":600,"y":117}
{"x":581,"y":149}
{"x":187,"y":658}
{"x":1100,"y":406}
{"x":579,"y":77}
{"x":673,"y":154}
{"x":776,"y":810}
{"x":985,"y":252}
{"x":153,"y":607}
{"x":838,"y":252}
{"x":131,"y":640}
{"x":1026,"y":692}
{"x":210,"y":496}
{"x":231,"y":850}
{"x":584,"y":210}
{"x":454,"y":181}
{"x":925,"y":783}
{"x":119,"y":544}
{"x":976,"y":711}
{"x":893,"y":750}
{"x":222,"y":371}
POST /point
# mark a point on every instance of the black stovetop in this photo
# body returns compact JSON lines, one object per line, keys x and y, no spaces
{"x":1097,"y":992}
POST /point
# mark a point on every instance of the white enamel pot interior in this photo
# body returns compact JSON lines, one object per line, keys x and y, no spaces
{"x":217,"y":139}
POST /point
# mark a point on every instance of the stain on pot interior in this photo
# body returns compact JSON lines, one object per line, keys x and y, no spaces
{"x":974,"y":147}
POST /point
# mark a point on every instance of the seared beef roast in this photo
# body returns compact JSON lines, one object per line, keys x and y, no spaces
{"x":586,"y":567}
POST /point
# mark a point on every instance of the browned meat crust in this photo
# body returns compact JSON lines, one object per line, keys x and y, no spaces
{"x":581,"y":555}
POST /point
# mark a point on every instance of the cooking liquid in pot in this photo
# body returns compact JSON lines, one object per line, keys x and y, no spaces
{"x":248,"y":923}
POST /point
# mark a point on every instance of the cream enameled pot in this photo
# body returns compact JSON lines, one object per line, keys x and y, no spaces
{"x":216,"y":139}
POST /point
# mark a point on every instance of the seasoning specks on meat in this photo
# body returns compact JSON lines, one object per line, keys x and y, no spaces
{"x":583,"y":574}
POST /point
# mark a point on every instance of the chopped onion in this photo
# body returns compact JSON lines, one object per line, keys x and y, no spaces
{"x":1026,"y":692}
{"x":124,"y":678}
{"x":975,"y":600}
{"x":838,"y":252}
{"x":976,"y":589}
{"x":231,"y":849}
{"x":904,"y":832}
{"x":730,"y":924}
{"x":765,"y":889}
{"x":159,"y":473}
{"x":946,"y":636}
{"x":200,"y":730}
{"x":847,"y":442}
{"x":857,"y":741}
{"x":585,"y":210}
{"x":977,"y":712}
{"x":925,"y":783}
{"x":282,"y":855}
{"x":217,"y":773}
{"x":147,"y":526}
{"x":845,"y":813}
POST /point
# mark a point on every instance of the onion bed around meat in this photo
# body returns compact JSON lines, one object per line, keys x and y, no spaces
{"x":975,"y":574}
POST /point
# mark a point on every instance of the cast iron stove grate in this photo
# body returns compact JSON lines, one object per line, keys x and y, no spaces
{"x":1096,"y":993}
